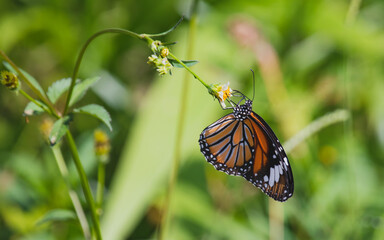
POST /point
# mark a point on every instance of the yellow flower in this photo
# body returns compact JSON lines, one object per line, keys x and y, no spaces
{"x":164,"y":52}
{"x":221,"y":92}
{"x":101,"y":143}
{"x":46,"y":127}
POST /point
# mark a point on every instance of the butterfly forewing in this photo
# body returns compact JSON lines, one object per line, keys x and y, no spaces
{"x":224,"y":144}
{"x":242,"y":143}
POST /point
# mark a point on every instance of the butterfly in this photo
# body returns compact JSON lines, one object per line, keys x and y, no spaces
{"x":242,"y":144}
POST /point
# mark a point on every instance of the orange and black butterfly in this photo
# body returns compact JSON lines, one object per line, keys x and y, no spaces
{"x":242,"y":143}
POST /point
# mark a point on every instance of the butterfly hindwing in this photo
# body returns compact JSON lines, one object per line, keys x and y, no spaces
{"x":271,"y":171}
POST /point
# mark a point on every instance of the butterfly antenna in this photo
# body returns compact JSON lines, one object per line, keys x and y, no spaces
{"x":254,"y":84}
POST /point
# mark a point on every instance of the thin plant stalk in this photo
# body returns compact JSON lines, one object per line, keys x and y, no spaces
{"x":167,"y":216}
{"x":84,"y":184}
{"x":34,"y":101}
{"x":72,"y":194}
{"x":100,"y":186}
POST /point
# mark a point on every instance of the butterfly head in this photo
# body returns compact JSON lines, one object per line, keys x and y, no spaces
{"x":242,"y":111}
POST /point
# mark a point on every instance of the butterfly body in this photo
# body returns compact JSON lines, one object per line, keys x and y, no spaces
{"x":242,"y":144}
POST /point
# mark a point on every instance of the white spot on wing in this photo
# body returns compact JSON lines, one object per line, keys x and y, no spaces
{"x":286,"y":161}
{"x":277,"y":174}
{"x":265,"y":178}
{"x":271,"y":176}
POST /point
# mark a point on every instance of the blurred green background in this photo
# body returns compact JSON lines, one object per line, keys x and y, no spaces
{"x":313,"y":57}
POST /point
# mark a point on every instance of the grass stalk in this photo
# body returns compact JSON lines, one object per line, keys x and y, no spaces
{"x":72,"y":194}
{"x":166,"y":217}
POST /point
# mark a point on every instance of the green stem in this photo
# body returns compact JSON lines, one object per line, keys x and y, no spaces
{"x":82,"y":51}
{"x":190,"y":70}
{"x":179,"y":131}
{"x":84,"y":184}
{"x":100,"y":186}
{"x":72,"y":194}
{"x":37,"y":103}
{"x":25,"y":79}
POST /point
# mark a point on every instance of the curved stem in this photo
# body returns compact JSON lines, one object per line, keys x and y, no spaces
{"x":84,"y":184}
{"x":81,"y":54}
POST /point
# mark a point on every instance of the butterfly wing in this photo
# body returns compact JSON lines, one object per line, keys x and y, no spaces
{"x":228,"y":145}
{"x":271,"y":170}
{"x":249,"y":148}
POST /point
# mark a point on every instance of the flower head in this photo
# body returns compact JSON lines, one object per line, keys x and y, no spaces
{"x":221,"y":92}
{"x":164,"y":52}
{"x":46,"y":127}
{"x":10,"y":80}
{"x":155,"y":46}
{"x":102,"y":145}
{"x":159,"y":58}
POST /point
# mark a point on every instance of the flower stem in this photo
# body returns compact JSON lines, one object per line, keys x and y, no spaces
{"x":72,"y":194}
{"x":82,"y":51}
{"x":84,"y":184}
{"x":37,"y":103}
{"x":100,"y":186}
{"x":190,"y":70}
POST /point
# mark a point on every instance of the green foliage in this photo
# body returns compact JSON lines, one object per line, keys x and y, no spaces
{"x":81,"y":88}
{"x":57,"y":215}
{"x":188,"y":63}
{"x":96,"y":111}
{"x":57,"y":89}
{"x":324,"y":65}
{"x":59,"y":129}
{"x":33,"y":109}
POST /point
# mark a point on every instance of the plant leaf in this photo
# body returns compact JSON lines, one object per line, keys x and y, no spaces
{"x":33,"y":109}
{"x":96,"y":111}
{"x":27,"y":75}
{"x":58,"y":88}
{"x":81,"y":88}
{"x":188,"y":63}
{"x":57,"y":215}
{"x":58,"y":130}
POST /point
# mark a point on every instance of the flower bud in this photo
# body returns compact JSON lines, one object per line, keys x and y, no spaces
{"x":10,"y":80}
{"x":101,"y":144}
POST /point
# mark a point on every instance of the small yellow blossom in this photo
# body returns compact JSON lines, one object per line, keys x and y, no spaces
{"x":46,"y":127}
{"x":164,"y":52}
{"x":222,"y":92}
{"x":10,"y":80}
{"x":101,"y":144}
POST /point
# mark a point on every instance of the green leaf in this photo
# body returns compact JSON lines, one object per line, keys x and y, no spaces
{"x":188,"y":63}
{"x":58,"y":130}
{"x":96,"y":111}
{"x":33,"y":109}
{"x":27,"y":75}
{"x":57,"y":215}
{"x":58,"y":88}
{"x":81,"y":88}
